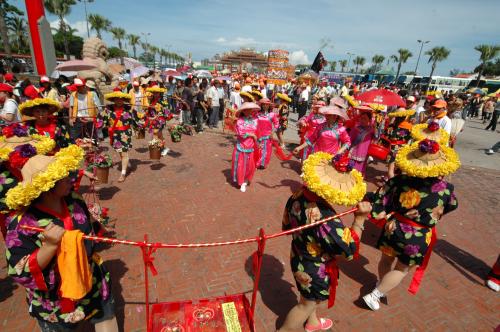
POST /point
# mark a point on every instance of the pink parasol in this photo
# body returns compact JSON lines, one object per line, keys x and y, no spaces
{"x":75,"y":65}
{"x":381,"y":96}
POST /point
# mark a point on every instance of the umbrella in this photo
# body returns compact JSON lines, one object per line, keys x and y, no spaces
{"x":129,"y":63}
{"x":172,"y":72}
{"x":223,"y":78}
{"x":57,"y":73}
{"x":381,"y":96}
{"x":75,"y":65}
{"x":477,"y":91}
{"x":139,"y":71}
{"x":202,"y":74}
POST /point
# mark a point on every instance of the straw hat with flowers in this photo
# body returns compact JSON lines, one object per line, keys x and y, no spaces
{"x":117,"y":95}
{"x":333,"y":179}
{"x":14,"y":140}
{"x":426,"y":159}
{"x":401,"y":113}
{"x":40,"y":174}
{"x":284,"y":97}
{"x":247,"y":95}
{"x":27,"y":107}
{"x":430,"y":131}
{"x":156,"y":88}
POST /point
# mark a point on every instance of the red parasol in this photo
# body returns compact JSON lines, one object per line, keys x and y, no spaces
{"x":172,"y":73}
{"x":381,"y":96}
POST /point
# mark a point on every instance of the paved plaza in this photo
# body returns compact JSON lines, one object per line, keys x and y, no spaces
{"x":188,"y":197}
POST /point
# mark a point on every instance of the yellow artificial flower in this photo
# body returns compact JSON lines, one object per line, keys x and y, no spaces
{"x":428,"y":237}
{"x":402,"y":113}
{"x":409,"y":199}
{"x":417,"y":132}
{"x":347,"y":236}
{"x":314,"y":249}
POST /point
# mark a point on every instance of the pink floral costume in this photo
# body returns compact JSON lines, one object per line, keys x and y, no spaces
{"x":361,"y":138}
{"x":328,"y":138}
{"x":243,"y":166}
{"x":266,"y":123}
{"x":311,"y":122}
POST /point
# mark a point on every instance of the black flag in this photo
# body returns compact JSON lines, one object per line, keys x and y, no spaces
{"x":319,"y":63}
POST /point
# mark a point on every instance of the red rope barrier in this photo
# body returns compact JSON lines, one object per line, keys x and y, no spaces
{"x":201,"y":245}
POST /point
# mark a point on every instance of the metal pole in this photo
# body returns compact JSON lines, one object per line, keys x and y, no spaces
{"x":349,"y":61}
{"x":86,"y":18}
{"x":420,"y":53}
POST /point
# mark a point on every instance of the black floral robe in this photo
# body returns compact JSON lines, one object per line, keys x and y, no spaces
{"x":42,"y":285}
{"x":119,"y":129}
{"x":313,"y":248}
{"x":56,"y":130}
{"x":423,"y":201}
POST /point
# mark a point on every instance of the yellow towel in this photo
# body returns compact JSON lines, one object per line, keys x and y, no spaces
{"x":74,"y":268}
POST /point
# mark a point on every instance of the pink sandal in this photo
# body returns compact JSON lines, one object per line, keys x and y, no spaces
{"x":324,"y":324}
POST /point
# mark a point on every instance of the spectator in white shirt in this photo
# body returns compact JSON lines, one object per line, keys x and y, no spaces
{"x":235,"y":98}
{"x":303,"y":100}
{"x":213,"y":97}
{"x":9,"y":112}
{"x":247,"y":87}
{"x":439,"y":114}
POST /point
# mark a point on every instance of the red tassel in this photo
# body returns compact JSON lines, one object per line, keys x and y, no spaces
{"x":278,"y":151}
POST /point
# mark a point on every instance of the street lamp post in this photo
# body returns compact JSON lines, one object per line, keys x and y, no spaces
{"x":168,"y":54}
{"x":349,"y":61}
{"x":421,"y":42}
{"x":146,"y":38}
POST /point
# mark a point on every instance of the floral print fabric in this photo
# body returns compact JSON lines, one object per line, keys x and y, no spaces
{"x":45,"y":304}
{"x":423,"y":201}
{"x":313,"y":248}
{"x":122,"y":139}
{"x":56,"y":130}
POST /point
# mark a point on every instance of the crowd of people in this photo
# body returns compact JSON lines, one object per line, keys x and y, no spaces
{"x":41,"y":153}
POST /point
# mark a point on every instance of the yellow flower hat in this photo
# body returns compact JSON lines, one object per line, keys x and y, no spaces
{"x":414,"y":162}
{"x":40,"y":174}
{"x":401,"y":112}
{"x":284,"y":97}
{"x":41,"y":143}
{"x":321,"y":177}
{"x":420,"y":131}
{"x":117,"y":94}
{"x":26,"y":108}
{"x":156,"y":88}
{"x":248,"y":95}
{"x":257,"y":93}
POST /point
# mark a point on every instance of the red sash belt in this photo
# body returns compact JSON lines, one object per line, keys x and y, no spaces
{"x":420,"y":271}
{"x":398,"y":142}
{"x":333,"y":271}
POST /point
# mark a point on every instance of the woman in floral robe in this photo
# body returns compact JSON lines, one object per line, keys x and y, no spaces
{"x":410,"y":208}
{"x":119,"y":120}
{"x":313,"y":253}
{"x":42,"y":285}
{"x":7,"y":181}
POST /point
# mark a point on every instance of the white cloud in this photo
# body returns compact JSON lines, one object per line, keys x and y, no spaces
{"x":80,"y":26}
{"x":221,"y":40}
{"x":298,"y":58}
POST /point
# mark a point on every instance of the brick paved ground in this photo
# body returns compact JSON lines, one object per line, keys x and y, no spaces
{"x":187,"y":198}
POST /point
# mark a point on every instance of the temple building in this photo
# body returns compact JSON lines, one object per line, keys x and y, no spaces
{"x":243,"y":60}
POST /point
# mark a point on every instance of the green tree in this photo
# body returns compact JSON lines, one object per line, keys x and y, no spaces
{"x":359,"y":61}
{"x":154,"y":50}
{"x":402,"y":56}
{"x":134,"y":40}
{"x":488,"y":53}
{"x":333,"y":65}
{"x":115,"y":52}
{"x":61,"y":9}
{"x":75,"y":43}
{"x":377,"y":60}
{"x":17,"y":25}
{"x":343,"y":65}
{"x":490,"y":68}
{"x":118,"y":34}
{"x":99,"y":23}
{"x":436,"y":54}
{"x":7,"y":12}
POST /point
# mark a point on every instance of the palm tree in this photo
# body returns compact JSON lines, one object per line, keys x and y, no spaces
{"x":402,"y":56}
{"x":99,"y":23}
{"x":133,"y":40}
{"x":488,"y":53}
{"x":436,"y":54}
{"x":4,"y":31}
{"x":359,"y":61}
{"x":61,"y":8}
{"x":377,"y":60}
{"x":18,"y":27}
{"x":154,"y":50}
{"x":343,"y":64}
{"x":118,"y":34}
{"x":333,"y":65}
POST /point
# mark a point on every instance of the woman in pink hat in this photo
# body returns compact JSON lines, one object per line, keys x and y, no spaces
{"x":361,"y":136}
{"x":308,"y":125}
{"x":267,"y":122}
{"x":330,"y":136}
{"x":243,"y":166}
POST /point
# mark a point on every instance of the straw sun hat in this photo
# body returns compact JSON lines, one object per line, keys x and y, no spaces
{"x":430,"y":131}
{"x":27,"y":107}
{"x":427,"y":158}
{"x":40,"y":174}
{"x":333,"y":179}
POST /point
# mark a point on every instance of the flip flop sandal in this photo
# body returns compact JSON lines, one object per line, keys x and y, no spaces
{"x":324,"y":324}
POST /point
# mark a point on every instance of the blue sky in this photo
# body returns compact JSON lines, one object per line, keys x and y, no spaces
{"x":362,"y":27}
